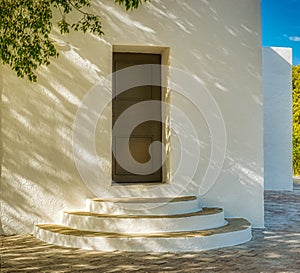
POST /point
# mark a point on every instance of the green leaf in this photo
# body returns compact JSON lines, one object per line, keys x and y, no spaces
{"x":26,"y":25}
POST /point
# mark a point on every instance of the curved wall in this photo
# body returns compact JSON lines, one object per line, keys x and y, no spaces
{"x":216,"y":42}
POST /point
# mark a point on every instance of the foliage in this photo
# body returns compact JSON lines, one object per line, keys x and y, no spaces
{"x":26,"y":25}
{"x":296,"y":119}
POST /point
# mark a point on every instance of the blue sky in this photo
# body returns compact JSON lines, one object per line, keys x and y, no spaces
{"x":281,"y":25}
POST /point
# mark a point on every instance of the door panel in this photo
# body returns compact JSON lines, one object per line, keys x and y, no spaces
{"x":139,"y":149}
{"x":147,"y":132}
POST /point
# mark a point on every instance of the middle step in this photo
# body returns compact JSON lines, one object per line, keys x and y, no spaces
{"x":205,"y":218}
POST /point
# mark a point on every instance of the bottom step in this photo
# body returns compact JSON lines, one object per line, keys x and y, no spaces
{"x":237,"y":231}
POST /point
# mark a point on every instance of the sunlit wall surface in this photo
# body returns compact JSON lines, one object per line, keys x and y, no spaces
{"x":216,"y":42}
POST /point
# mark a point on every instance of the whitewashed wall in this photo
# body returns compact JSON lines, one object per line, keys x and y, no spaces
{"x":216,"y":42}
{"x":277,"y":93}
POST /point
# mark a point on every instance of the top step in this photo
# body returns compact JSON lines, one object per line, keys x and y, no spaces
{"x":145,"y":206}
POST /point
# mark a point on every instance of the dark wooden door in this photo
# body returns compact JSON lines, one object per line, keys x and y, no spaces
{"x":145,"y":133}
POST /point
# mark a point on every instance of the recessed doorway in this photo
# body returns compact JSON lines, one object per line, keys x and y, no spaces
{"x":145,"y":133}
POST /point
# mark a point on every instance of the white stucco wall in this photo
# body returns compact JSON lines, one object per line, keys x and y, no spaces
{"x":216,"y":42}
{"x":1,"y":151}
{"x":277,"y":93}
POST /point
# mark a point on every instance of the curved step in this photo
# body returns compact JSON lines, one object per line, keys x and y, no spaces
{"x":148,"y":205}
{"x":205,"y":219}
{"x":237,"y":231}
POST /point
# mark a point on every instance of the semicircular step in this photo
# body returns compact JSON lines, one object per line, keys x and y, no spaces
{"x":237,"y":231}
{"x":146,"y":205}
{"x":204,"y":219}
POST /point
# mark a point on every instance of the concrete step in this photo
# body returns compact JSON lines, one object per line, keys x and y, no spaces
{"x":206,"y":218}
{"x":146,"y":206}
{"x":236,"y":231}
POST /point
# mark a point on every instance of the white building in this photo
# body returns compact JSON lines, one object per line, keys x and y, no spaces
{"x":278,"y":118}
{"x":213,"y":128}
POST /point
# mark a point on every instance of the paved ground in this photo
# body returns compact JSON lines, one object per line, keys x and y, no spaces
{"x":274,"y":249}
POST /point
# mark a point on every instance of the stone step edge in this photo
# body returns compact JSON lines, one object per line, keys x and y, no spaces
{"x":133,"y":200}
{"x":202,"y":212}
{"x":237,"y":231}
{"x":233,"y":225}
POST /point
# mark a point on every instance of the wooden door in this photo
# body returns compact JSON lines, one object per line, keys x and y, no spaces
{"x":145,"y":133}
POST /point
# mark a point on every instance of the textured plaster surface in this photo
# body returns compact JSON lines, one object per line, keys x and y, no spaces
{"x":277,"y":93}
{"x":1,"y":150}
{"x":217,"y":42}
